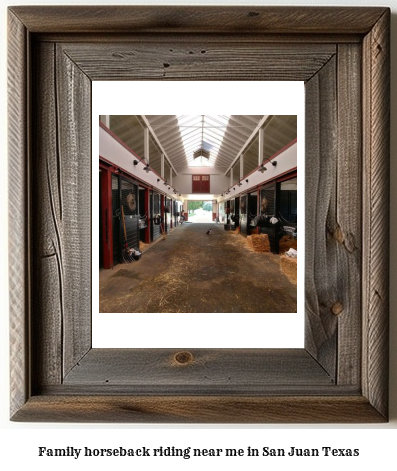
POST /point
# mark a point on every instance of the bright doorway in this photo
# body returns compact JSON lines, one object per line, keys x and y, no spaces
{"x":200,"y":211}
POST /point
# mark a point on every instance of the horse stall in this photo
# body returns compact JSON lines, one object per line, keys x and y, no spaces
{"x":175,"y":213}
{"x":144,"y":234}
{"x":227,"y":221}
{"x":232,"y":220}
{"x":155,"y":215}
{"x":167,"y":214}
{"x":227,"y":211}
{"x":287,"y":213}
{"x":248,"y":213}
{"x":278,"y":213}
{"x":221,"y":216}
{"x":235,"y":211}
{"x":252,"y":212}
{"x":129,"y":207}
{"x":116,"y":221}
{"x":244,"y":215}
{"x":181,"y":216}
{"x":266,"y":220}
{"x":231,"y":216}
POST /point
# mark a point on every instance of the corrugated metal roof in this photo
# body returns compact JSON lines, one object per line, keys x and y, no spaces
{"x":223,"y":136}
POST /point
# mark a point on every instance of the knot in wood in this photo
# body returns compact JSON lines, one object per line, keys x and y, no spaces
{"x":338,"y":235}
{"x":337,"y":308}
{"x":183,"y":358}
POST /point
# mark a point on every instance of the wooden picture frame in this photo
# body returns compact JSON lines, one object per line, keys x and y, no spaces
{"x":342,"y":54}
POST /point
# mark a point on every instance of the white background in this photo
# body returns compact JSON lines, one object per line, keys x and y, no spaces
{"x":19,"y":442}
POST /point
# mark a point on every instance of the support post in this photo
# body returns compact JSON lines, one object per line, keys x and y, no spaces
{"x":261,"y":142}
{"x":146,"y":145}
{"x":162,"y":166}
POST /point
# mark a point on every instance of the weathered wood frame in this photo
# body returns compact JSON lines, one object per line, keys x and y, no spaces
{"x":343,"y":56}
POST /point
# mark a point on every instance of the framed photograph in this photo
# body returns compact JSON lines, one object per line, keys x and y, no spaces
{"x":342,"y":56}
{"x":242,"y":292}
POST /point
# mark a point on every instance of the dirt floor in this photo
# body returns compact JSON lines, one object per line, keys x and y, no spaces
{"x":190,"y":271}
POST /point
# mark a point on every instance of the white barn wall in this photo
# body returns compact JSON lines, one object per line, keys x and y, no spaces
{"x":286,"y":161}
{"x":111,"y":150}
{"x":218,"y":182}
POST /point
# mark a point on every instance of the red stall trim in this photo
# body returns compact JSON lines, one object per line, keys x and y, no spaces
{"x":107,"y":229}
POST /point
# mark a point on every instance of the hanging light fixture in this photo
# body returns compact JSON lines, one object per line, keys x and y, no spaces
{"x":262,"y":167}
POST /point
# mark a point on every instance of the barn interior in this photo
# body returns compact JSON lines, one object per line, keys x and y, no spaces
{"x":198,"y":213}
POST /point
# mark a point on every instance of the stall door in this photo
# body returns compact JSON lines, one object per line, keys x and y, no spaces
{"x":129,"y":201}
{"x":116,"y":220}
{"x":156,"y":210}
{"x":243,"y":215}
{"x":267,"y":208}
{"x":175,"y":212}
{"x":222,"y":213}
{"x":167,"y":215}
{"x":252,"y":211}
{"x":227,"y":211}
{"x":231,"y":213}
{"x":237,"y":211}
{"x":287,"y":201}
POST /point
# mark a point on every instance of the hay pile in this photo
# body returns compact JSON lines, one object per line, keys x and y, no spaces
{"x":289,"y":267}
{"x":259,"y":242}
{"x":287,"y":242}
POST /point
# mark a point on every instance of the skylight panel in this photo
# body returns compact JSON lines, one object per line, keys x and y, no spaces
{"x":202,"y":137}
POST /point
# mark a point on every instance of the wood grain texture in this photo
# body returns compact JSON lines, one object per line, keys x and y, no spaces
{"x":321,"y":279}
{"x":73,"y":107}
{"x":225,"y":59}
{"x":19,"y":201}
{"x":62,"y":258}
{"x":376,"y":93}
{"x":70,"y":382}
{"x":198,"y":19}
{"x":199,"y":409}
{"x":48,"y":283}
{"x":159,"y":38}
{"x":229,"y":370}
{"x":347,"y":224}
